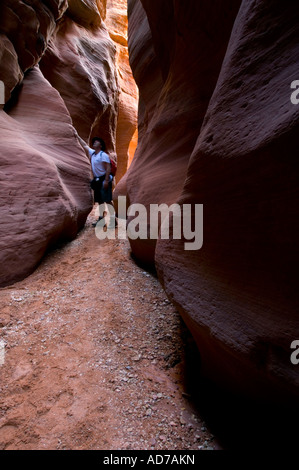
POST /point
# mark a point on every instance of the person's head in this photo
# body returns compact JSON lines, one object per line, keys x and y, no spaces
{"x":98,"y":143}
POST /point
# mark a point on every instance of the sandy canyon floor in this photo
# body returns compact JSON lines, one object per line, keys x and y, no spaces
{"x":94,"y":356}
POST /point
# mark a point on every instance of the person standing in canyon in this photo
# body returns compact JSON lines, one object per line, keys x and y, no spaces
{"x":102,"y":182}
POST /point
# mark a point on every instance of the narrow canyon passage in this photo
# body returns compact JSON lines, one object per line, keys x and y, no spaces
{"x":94,"y":354}
{"x":194,"y":103}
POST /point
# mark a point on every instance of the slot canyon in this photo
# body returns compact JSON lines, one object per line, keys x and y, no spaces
{"x":139,"y":343}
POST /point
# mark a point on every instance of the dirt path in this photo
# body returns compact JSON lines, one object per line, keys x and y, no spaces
{"x":93,"y":356}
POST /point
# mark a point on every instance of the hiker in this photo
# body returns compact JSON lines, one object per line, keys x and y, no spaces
{"x":102,"y":182}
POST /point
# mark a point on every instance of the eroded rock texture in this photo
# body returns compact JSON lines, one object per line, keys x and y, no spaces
{"x":224,"y":134}
{"x":58,"y":63}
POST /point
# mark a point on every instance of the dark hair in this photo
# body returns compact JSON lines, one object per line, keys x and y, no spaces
{"x":100,"y":140}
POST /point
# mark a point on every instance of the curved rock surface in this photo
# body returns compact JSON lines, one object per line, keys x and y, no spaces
{"x":26,"y":28}
{"x":44,"y":178}
{"x":175,"y":54}
{"x":229,"y":145}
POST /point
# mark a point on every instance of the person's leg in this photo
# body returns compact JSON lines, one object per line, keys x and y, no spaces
{"x":98,"y":199}
{"x":107,"y":197}
{"x":112,"y":218}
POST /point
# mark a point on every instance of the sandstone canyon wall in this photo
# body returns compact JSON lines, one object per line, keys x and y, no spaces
{"x":58,"y":64}
{"x":217,"y":127}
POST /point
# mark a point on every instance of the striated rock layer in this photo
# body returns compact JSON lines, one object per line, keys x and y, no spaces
{"x":44,"y":192}
{"x":223,"y":134}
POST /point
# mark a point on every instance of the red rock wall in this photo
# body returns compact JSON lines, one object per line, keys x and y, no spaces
{"x":176,"y":53}
{"x":26,"y":28}
{"x":224,"y":134}
{"x":44,"y":178}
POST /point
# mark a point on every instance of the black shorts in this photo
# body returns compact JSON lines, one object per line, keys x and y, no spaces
{"x":101,"y":195}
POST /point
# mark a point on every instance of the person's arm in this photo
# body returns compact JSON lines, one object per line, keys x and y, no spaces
{"x":107,"y":167}
{"x":84,"y":145}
